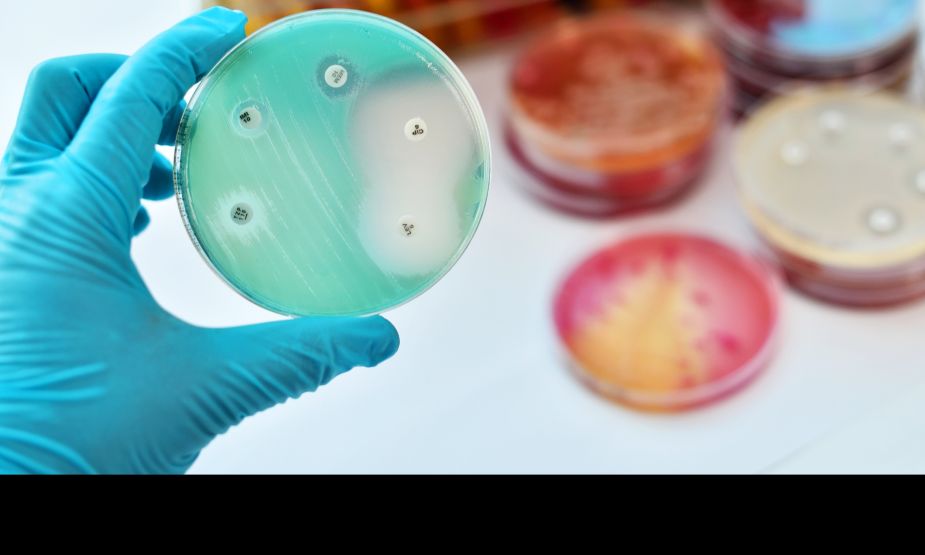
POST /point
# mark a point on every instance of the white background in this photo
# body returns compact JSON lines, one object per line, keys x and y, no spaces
{"x":477,"y":385}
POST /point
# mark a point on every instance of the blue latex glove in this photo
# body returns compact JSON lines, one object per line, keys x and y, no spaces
{"x":94,"y":375}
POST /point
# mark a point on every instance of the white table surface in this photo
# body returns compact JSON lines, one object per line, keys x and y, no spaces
{"x":477,"y":385}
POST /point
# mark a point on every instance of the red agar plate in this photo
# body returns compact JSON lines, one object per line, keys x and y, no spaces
{"x":668,"y":321}
{"x":616,"y":112}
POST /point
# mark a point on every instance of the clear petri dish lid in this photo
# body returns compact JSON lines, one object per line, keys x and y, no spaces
{"x":618,"y":92}
{"x":667,"y":321}
{"x":333,"y":163}
{"x":836,"y":177}
{"x":816,"y":32}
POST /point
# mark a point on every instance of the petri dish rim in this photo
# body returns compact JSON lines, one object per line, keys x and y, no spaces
{"x":885,"y":78}
{"x":474,"y":109}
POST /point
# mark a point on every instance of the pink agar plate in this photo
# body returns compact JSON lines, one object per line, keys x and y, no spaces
{"x":668,"y":321}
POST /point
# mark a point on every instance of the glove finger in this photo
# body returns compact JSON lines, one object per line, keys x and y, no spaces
{"x":168,"y":135}
{"x":115,"y":144}
{"x":142,"y":220}
{"x":160,"y":179}
{"x":159,"y":187}
{"x":57,"y":98}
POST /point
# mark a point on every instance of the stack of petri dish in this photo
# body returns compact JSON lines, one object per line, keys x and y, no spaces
{"x":615,"y":112}
{"x":834,"y":182}
{"x":668,"y":321}
{"x":773,"y":47}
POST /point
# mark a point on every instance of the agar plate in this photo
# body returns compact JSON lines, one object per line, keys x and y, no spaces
{"x":616,"y":112}
{"x":668,"y":321}
{"x":834,"y":183}
{"x":333,"y":163}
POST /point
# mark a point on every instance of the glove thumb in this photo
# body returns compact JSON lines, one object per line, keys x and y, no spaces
{"x":257,"y":367}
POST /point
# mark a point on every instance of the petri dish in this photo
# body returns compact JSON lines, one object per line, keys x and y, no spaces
{"x":616,"y":112}
{"x":824,"y":37}
{"x":668,"y":321}
{"x":333,"y":163}
{"x":834,"y":183}
{"x":775,"y":46}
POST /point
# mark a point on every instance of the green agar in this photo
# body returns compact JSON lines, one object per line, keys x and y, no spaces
{"x":334,"y":163}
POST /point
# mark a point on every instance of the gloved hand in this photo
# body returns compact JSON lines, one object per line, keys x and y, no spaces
{"x":94,"y":375}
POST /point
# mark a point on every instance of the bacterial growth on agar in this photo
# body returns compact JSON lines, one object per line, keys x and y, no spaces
{"x":334,"y":163}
